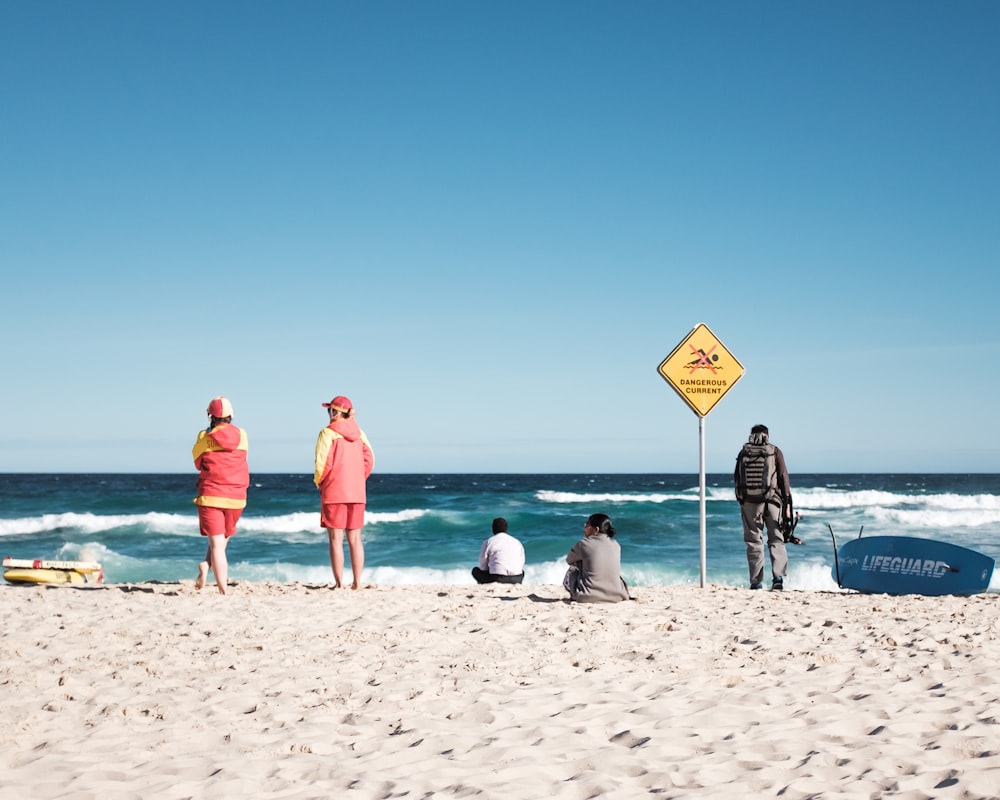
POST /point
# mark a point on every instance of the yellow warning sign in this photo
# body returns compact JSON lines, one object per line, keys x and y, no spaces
{"x":701,"y":370}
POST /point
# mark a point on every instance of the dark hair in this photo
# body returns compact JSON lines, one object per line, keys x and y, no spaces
{"x":499,"y":525}
{"x":759,"y":429}
{"x":217,"y":420}
{"x":603,"y":524}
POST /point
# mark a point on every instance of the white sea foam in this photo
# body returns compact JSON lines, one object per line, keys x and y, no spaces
{"x":866,"y":499}
{"x":547,"y":496}
{"x":93,"y":523}
{"x":419,"y":575}
{"x":88,"y":551}
{"x":184,"y":524}
{"x":297,"y":522}
{"x":321,"y":574}
{"x":945,"y":510}
{"x":118,"y":568}
{"x":937,"y":518}
{"x":545,"y":573}
{"x":811,"y":576}
{"x":385,"y":517}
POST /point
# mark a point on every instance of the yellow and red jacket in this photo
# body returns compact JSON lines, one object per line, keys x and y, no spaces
{"x":220,"y":454}
{"x":344,"y":460}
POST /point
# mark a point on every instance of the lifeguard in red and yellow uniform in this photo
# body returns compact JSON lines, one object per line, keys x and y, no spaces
{"x":344,"y":460}
{"x":220,"y":455}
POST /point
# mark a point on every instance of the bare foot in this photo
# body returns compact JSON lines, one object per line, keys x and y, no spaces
{"x":202,"y":575}
{"x":355,"y":586}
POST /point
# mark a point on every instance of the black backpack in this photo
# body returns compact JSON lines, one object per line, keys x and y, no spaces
{"x":756,"y":472}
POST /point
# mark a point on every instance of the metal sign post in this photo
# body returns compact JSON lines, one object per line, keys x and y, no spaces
{"x":701,"y":500}
{"x":701,"y":370}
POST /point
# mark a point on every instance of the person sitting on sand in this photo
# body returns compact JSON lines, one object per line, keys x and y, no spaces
{"x":501,"y":558}
{"x":594,"y":574}
{"x":220,"y":455}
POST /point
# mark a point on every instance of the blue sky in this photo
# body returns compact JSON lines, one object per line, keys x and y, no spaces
{"x":488,"y":222}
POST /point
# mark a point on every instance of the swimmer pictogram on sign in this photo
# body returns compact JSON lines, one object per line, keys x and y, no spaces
{"x":703,"y":359}
{"x":701,"y":370}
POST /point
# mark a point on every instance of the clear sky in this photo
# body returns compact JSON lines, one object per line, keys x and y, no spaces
{"x":488,"y":222}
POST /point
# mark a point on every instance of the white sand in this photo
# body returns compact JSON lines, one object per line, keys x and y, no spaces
{"x":295,"y":691}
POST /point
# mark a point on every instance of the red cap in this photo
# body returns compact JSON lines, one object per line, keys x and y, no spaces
{"x":339,"y":403}
{"x":220,"y":408}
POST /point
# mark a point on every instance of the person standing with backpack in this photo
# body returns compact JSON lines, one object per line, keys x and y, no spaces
{"x":764,"y":493}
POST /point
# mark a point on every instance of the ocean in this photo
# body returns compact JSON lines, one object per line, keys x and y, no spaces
{"x":427,"y":529}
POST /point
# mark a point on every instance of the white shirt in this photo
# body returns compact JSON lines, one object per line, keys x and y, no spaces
{"x":502,"y":554}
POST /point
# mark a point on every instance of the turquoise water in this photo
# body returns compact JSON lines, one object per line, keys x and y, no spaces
{"x":428,"y":528}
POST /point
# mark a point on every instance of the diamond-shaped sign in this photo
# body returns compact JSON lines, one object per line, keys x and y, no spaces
{"x":701,"y":370}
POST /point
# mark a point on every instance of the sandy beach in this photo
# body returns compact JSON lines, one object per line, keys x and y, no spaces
{"x":296,"y":691}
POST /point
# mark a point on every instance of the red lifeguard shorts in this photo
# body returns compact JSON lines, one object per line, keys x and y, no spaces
{"x":343,"y":515}
{"x":218,"y":521}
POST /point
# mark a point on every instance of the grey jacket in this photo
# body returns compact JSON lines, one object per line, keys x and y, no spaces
{"x":598,"y":579}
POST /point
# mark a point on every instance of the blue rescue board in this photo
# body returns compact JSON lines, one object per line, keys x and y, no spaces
{"x":908,"y":565}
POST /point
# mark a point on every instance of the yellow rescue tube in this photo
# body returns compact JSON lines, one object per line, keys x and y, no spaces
{"x":22,"y":570}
